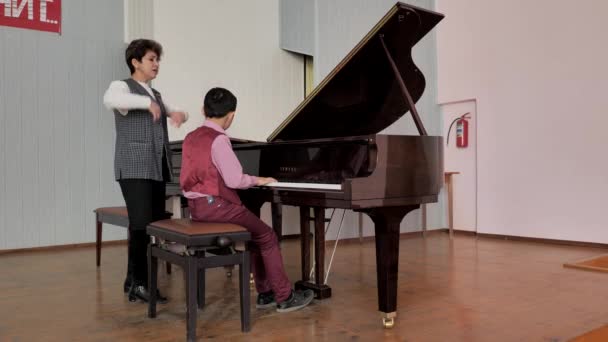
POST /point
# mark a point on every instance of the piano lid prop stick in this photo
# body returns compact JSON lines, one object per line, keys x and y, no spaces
{"x":334,"y":251}
{"x":312,"y":269}
{"x":406,"y":93}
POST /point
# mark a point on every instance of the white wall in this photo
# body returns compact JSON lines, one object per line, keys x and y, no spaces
{"x":538,"y":72}
{"x":464,"y":161}
{"x":232,"y":44}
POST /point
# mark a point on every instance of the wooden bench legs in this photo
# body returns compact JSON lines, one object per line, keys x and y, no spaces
{"x":98,"y":242}
{"x":194,"y":271}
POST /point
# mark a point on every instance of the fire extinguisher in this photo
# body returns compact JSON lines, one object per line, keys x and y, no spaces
{"x":462,"y":130}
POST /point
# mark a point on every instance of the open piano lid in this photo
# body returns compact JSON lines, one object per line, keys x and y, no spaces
{"x":362,"y":96}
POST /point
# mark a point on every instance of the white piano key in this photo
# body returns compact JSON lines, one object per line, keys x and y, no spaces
{"x":305,"y":185}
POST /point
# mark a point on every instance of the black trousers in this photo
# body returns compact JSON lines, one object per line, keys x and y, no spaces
{"x":145,"y":201}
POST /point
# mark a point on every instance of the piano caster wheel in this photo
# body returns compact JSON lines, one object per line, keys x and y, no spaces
{"x":388,"y":322}
{"x":388,"y":319}
{"x":228,"y":271}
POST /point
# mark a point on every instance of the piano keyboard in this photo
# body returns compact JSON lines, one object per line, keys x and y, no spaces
{"x":305,"y":185}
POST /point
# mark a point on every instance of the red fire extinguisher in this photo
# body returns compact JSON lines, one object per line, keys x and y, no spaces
{"x":462,"y":130}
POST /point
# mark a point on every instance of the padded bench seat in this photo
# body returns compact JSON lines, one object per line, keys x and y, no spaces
{"x":193,"y":233}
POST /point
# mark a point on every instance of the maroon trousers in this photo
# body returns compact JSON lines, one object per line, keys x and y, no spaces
{"x":266,"y":260}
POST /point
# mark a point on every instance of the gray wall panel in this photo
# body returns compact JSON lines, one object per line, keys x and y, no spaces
{"x":12,"y":139}
{"x":61,"y":109}
{"x":44,"y":115}
{"x":297,"y":26}
{"x":28,"y":139}
{"x":77,"y":154}
{"x":92,"y":99}
{"x":3,"y":145}
{"x":57,"y":139}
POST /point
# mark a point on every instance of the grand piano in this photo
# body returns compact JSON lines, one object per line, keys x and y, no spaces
{"x":328,"y":153}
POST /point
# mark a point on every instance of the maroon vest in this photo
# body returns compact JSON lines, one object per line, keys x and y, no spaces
{"x":198,"y":174}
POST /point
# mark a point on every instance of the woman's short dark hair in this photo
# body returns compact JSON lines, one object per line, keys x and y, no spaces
{"x":138,"y":48}
{"x":219,"y":102}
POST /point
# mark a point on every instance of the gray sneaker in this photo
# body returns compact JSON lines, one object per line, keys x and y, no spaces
{"x":296,"y":301}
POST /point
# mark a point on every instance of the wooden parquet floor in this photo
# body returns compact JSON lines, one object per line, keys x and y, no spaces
{"x":468,"y":289}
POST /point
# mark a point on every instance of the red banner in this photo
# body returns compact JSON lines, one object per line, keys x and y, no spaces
{"x":41,"y":15}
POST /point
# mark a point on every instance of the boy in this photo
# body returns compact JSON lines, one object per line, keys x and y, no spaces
{"x":209,"y":175}
{"x":142,"y":160}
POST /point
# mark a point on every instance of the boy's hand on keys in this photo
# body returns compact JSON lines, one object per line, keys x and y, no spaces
{"x":265,"y":180}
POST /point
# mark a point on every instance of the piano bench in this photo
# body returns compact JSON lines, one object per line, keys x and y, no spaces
{"x":117,"y":216}
{"x":200,"y":240}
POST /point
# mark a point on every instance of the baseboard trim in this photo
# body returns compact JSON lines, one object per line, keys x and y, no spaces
{"x":61,"y":247}
{"x":543,"y":240}
{"x":405,"y":235}
{"x":472,"y":233}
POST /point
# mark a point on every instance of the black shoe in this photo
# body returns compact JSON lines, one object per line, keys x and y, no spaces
{"x":127,"y":284}
{"x":296,"y":301}
{"x":265,"y":300}
{"x":140,"y":292}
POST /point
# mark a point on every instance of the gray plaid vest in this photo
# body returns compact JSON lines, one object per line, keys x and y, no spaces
{"x":141,"y":142}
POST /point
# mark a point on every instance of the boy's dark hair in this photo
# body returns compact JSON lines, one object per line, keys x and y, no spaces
{"x":137,"y":49}
{"x":219,"y":102}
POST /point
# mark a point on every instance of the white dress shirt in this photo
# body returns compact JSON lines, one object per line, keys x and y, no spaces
{"x":119,"y":97}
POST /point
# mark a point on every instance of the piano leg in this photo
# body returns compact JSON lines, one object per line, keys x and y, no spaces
{"x":305,"y":242}
{"x":387,"y":221}
{"x":319,"y":245}
{"x":321,"y":290}
{"x":277,"y":219}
